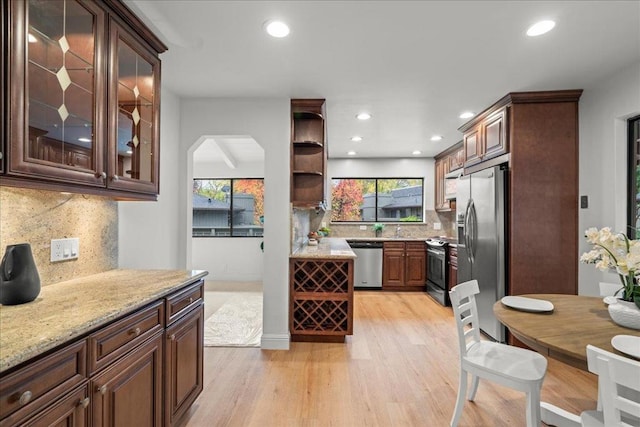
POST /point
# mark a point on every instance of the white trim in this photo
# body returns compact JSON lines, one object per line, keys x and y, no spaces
{"x":275,"y":341}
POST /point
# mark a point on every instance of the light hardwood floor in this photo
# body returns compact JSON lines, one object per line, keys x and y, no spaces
{"x":400,"y":368}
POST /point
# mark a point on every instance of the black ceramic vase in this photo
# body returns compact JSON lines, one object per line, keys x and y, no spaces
{"x":19,"y":279}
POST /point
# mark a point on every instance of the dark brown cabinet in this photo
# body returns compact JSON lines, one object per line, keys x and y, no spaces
{"x":308,"y":152}
{"x":129,"y":392}
{"x":540,"y":132}
{"x":183,"y":364}
{"x":321,"y":299}
{"x":71,"y":411}
{"x":83,"y":99}
{"x":453,"y":266}
{"x":487,"y":139}
{"x":447,"y":161}
{"x":404,"y":265}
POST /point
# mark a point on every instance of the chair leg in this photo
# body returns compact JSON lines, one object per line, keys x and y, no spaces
{"x":462,"y":390}
{"x":533,"y":407}
{"x":474,"y":387}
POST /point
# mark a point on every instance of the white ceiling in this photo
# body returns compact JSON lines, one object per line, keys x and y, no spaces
{"x":414,"y":65}
{"x":229,"y":149}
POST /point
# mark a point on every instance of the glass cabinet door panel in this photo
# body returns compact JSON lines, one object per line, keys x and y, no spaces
{"x":135,"y":145}
{"x":56,"y":90}
{"x":61,"y":52}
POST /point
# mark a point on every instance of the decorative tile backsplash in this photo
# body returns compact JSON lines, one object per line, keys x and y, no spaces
{"x":36,"y":217}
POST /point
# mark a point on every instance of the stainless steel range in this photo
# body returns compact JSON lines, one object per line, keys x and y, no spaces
{"x":437,"y":280}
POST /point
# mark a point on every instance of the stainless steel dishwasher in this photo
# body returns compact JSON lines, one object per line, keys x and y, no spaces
{"x":368,"y":266}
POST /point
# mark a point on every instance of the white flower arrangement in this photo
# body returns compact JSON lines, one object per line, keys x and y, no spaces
{"x":616,"y":251}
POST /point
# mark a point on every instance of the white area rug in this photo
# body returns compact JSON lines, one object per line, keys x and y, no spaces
{"x":237,"y":323}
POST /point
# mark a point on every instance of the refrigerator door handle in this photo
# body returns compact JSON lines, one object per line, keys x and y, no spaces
{"x":467,"y":225}
{"x":473,"y":235}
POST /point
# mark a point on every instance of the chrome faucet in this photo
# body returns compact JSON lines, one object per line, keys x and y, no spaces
{"x":398,"y":230}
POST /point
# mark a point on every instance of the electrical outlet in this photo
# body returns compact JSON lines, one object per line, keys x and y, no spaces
{"x":363,"y":227}
{"x":65,"y":249}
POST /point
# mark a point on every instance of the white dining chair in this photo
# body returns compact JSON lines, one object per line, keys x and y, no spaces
{"x":514,"y":367}
{"x":618,"y":390}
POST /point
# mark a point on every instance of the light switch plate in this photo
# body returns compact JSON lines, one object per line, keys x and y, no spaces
{"x":65,"y":249}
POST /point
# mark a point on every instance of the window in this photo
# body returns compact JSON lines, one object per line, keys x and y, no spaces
{"x":228,"y":207}
{"x":633,"y":215}
{"x":376,"y":199}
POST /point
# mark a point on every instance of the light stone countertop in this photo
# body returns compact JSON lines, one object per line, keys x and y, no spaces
{"x":70,"y":309}
{"x":328,"y":248}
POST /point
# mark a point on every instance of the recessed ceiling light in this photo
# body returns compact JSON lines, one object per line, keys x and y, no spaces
{"x":277,"y":29}
{"x":467,"y":115}
{"x":32,"y":38}
{"x":416,"y":152}
{"x":84,"y":139}
{"x":356,"y":138}
{"x":540,"y":28}
{"x":351,"y":153}
{"x":436,"y":138}
{"x":363,"y":116}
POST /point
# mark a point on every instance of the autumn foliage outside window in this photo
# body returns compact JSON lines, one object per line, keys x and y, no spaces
{"x":376,"y":199}
{"x":228,"y":207}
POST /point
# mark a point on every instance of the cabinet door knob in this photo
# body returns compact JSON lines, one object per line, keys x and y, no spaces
{"x":102,"y":175}
{"x":190,"y":300}
{"x":84,"y":402}
{"x":172,"y":337}
{"x":115,"y":178}
{"x":25,"y":397}
{"x":102,"y":389}
{"x":135,"y":331}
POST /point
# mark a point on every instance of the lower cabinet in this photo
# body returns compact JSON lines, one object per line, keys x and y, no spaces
{"x":404,"y":265}
{"x":129,"y":392}
{"x":144,"y":369}
{"x":184,"y":341}
{"x":70,"y":411}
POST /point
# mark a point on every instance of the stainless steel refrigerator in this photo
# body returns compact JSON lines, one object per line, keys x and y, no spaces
{"x":480,"y":216}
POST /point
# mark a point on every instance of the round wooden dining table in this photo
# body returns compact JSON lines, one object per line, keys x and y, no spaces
{"x":564,"y":333}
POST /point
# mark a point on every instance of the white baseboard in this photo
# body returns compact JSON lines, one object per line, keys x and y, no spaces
{"x":275,"y":341}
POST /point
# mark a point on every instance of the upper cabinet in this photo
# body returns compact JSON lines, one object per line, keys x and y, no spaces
{"x":450,"y":160}
{"x":308,"y":152}
{"x":486,"y":139}
{"x":82,"y":111}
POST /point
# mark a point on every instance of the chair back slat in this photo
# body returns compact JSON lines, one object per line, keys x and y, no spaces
{"x":619,"y":386}
{"x":465,"y":311}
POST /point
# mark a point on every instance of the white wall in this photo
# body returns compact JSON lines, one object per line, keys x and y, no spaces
{"x":148,"y":232}
{"x":228,"y":258}
{"x":268,"y":122}
{"x":604,"y":110}
{"x":386,"y":168}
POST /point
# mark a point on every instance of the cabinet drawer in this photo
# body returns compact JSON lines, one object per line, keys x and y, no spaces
{"x":183,"y":301}
{"x":416,"y":246}
{"x":399,"y":246}
{"x":41,"y":382}
{"x":114,"y":340}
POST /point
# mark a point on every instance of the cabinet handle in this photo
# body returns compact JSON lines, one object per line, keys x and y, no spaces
{"x":115,"y":178}
{"x":190,"y":300}
{"x":102,"y":175}
{"x":102,"y":389}
{"x":84,"y":402}
{"x":172,"y":337}
{"x":25,"y":397}
{"x":135,"y":331}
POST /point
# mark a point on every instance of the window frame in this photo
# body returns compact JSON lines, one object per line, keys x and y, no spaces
{"x":376,"y":220}
{"x":633,"y":156}
{"x":230,"y":211}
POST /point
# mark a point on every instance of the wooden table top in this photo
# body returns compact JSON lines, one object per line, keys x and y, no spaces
{"x":565,"y":332}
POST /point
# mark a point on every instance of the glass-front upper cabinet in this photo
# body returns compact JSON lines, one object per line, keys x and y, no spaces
{"x":56,"y":83}
{"x":134,"y":116}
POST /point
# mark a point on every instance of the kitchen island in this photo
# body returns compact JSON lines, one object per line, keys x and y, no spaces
{"x":84,"y":345}
{"x":321,"y":291}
